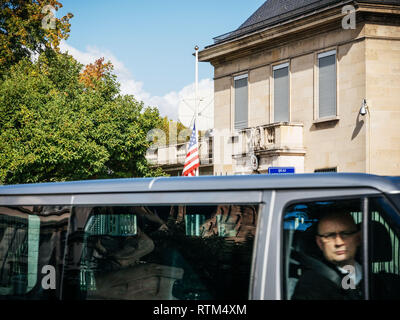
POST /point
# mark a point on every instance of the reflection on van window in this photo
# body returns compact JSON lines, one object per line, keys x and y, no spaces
{"x":31,"y":240}
{"x":162,"y":252}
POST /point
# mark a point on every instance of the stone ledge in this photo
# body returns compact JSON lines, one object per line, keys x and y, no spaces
{"x":327,"y":119}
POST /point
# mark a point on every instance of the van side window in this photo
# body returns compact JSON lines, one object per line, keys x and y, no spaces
{"x":384,"y":250}
{"x":322,"y":250}
{"x":323,"y":246}
{"x":160,"y":252}
{"x":32,"y":241}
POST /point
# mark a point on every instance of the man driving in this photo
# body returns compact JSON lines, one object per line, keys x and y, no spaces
{"x":338,"y":238}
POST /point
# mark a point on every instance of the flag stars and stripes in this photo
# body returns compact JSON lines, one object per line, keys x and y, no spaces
{"x":192,"y":161}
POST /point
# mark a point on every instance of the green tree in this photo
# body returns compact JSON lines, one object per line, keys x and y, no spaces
{"x":170,"y":126}
{"x":55,"y":128}
{"x":29,"y":27}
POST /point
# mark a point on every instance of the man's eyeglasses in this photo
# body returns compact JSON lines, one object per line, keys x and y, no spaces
{"x":332,"y":236}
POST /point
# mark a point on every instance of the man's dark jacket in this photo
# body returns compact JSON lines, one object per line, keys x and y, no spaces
{"x":314,"y":284}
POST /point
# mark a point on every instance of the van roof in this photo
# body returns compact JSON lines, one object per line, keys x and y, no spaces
{"x":209,"y":183}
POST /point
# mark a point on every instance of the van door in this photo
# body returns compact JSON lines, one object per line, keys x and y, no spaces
{"x":175,"y":245}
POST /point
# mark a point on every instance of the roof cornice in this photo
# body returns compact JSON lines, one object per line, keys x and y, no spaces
{"x":327,"y":18}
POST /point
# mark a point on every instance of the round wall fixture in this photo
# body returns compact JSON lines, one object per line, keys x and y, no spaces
{"x":254,"y":162}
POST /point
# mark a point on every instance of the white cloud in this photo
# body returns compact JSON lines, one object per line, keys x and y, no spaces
{"x":186,"y":104}
{"x":176,"y":104}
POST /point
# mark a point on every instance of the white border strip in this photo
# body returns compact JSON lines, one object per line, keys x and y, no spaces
{"x":326,"y":54}
{"x":267,"y":244}
{"x":242,"y":76}
{"x":280,"y":66}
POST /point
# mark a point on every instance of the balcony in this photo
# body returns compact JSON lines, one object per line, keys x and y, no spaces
{"x":281,"y":137}
{"x":172,"y":157}
{"x":278,"y":144}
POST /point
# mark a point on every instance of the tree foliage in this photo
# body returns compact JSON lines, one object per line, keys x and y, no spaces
{"x":172,"y":127}
{"x":29,"y":27}
{"x":55,"y":128}
{"x":60,"y":120}
{"x":95,"y":73}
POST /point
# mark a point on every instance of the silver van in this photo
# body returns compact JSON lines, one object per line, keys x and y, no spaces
{"x":198,"y":238}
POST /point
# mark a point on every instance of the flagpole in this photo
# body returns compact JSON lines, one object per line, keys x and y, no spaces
{"x":196,"y":48}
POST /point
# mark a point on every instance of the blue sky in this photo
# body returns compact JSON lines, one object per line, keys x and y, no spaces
{"x":151,"y":42}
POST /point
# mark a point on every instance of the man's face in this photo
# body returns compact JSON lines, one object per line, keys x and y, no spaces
{"x":338,"y":239}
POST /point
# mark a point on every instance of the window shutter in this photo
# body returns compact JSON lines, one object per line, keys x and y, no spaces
{"x":327,"y":85}
{"x":241,"y":102}
{"x":281,"y":94}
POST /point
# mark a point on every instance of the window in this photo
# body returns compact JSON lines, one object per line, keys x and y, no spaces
{"x":384,"y":245}
{"x":325,"y":245}
{"x":281,"y":92}
{"x":326,"y":170}
{"x":160,"y":252}
{"x":241,"y":101}
{"x":312,"y":259}
{"x":32,"y":251}
{"x":327,"y":84}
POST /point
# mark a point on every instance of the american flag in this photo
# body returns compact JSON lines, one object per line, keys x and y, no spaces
{"x":192,"y":162}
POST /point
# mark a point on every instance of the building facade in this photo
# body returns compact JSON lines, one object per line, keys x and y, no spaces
{"x":312,"y":85}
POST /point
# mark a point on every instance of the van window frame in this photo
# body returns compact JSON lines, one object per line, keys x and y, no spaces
{"x":245,"y":196}
{"x":242,"y":197}
{"x":153,"y":197}
{"x":366,"y":217}
{"x":284,"y":199}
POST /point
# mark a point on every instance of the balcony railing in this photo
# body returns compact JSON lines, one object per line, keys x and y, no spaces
{"x":276,"y":137}
{"x":273,"y":139}
{"x":175,"y":154}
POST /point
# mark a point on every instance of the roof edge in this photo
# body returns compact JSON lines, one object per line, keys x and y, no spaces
{"x":205,"y":183}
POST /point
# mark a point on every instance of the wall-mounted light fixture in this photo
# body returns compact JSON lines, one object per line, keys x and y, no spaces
{"x":364,"y":108}
{"x":363,"y":111}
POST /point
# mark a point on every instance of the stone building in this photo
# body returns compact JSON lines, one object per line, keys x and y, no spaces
{"x":313,"y":85}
